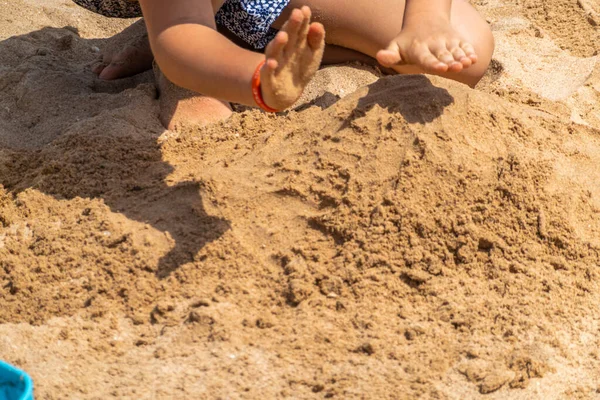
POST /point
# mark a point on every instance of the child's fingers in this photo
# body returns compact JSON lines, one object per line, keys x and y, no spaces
{"x":293,"y":25}
{"x":303,"y":31}
{"x":271,"y":65}
{"x":316,"y":36}
{"x":276,"y":46}
{"x":98,"y":67}
{"x":267,"y":75}
{"x":306,"y":11}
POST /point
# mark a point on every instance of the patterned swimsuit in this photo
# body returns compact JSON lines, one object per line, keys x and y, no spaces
{"x":250,"y":20}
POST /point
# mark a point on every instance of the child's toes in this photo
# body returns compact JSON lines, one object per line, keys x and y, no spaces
{"x":390,"y":56}
{"x":316,"y":36}
{"x":469,"y":51}
{"x":446,"y":57}
{"x":461,"y":57}
{"x":431,"y":63}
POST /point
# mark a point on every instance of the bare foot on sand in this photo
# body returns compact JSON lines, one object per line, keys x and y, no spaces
{"x":127,"y":54}
{"x":293,"y":58}
{"x":435,"y":47}
{"x":181,"y":107}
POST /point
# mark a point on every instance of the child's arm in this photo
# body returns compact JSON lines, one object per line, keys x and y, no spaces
{"x":428,"y":39}
{"x":193,"y":55}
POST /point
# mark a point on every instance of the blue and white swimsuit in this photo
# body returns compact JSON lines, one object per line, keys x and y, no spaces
{"x":249,"y":20}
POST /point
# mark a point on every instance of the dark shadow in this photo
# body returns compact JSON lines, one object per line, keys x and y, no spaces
{"x":324,"y":101}
{"x":63,"y":132}
{"x":177,"y":94}
{"x":415,"y":97}
{"x":412,"y":96}
{"x":68,"y":134}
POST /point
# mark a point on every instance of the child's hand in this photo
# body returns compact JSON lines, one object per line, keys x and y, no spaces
{"x":432,"y":44}
{"x":293,"y":57}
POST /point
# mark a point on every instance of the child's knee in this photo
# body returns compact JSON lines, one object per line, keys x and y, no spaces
{"x":484,"y":47}
{"x":476,"y":31}
{"x":485,"y":50}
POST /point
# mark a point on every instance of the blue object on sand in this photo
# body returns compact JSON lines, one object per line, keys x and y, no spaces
{"x":14,"y":383}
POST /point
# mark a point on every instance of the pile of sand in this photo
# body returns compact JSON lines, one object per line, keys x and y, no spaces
{"x":415,"y":238}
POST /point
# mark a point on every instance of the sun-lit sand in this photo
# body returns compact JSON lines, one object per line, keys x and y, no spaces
{"x":402,"y":237}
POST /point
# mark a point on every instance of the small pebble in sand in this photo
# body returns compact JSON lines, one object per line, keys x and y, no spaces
{"x":95,"y":49}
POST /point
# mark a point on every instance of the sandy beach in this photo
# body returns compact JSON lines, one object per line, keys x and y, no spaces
{"x":391,"y":237}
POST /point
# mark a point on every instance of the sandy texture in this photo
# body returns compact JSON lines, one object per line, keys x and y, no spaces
{"x":414,"y":238}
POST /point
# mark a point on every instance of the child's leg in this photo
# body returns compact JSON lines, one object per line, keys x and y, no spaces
{"x":181,"y":107}
{"x":369,"y":26}
{"x":129,"y":54}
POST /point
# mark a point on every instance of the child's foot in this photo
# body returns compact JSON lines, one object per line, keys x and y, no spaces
{"x":127,"y":54}
{"x":434,"y":46}
{"x":181,"y":107}
{"x":293,"y":58}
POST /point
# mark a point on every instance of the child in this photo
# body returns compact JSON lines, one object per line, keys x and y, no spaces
{"x":192,"y":41}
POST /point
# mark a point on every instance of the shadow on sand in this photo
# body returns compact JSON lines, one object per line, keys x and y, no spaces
{"x":68,"y":134}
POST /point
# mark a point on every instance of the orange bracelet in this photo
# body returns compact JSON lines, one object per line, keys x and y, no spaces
{"x":256,"y":89}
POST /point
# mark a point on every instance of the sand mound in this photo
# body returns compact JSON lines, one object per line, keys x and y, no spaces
{"x":571,"y":23}
{"x":415,"y":238}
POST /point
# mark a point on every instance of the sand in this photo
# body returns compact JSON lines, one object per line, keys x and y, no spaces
{"x":402,"y":237}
